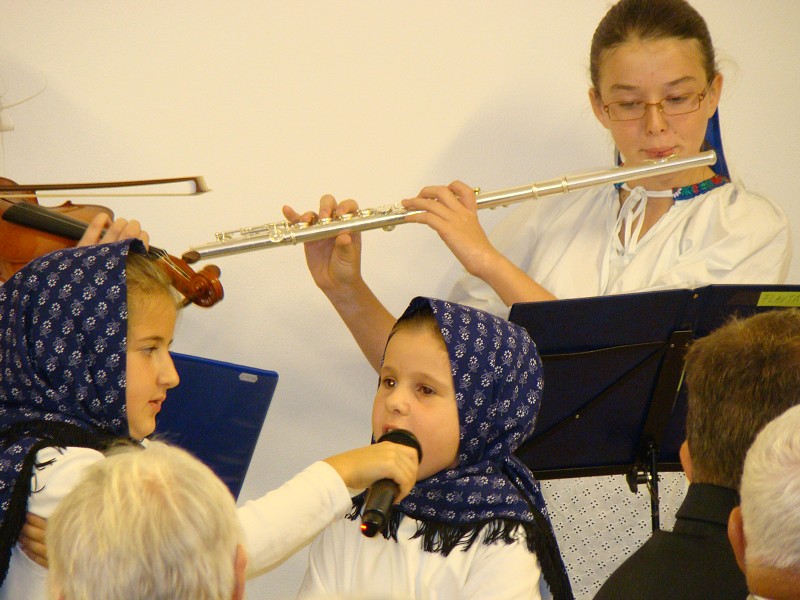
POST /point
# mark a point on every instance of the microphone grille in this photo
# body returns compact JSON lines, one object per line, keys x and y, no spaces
{"x":404,"y":437}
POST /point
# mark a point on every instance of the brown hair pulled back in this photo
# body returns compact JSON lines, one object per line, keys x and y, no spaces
{"x":650,"y":20}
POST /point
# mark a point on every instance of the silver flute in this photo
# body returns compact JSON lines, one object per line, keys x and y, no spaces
{"x":283,"y":233}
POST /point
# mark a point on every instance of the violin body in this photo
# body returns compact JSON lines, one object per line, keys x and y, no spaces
{"x":28,"y":230}
{"x":20,"y":244}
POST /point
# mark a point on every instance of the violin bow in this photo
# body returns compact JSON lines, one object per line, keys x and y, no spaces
{"x":27,"y":190}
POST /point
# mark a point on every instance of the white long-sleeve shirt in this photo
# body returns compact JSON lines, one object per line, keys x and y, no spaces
{"x":286,"y":519}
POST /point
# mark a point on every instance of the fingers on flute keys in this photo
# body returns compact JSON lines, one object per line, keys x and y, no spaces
{"x":441,"y":199}
{"x":328,"y":208}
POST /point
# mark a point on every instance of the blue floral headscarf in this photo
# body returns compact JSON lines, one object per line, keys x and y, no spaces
{"x":63,"y":328}
{"x":497,"y":374}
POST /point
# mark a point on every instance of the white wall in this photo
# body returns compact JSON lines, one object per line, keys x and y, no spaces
{"x":280,"y":102}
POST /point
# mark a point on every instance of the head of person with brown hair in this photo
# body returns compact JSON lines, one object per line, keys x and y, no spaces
{"x":739,"y":377}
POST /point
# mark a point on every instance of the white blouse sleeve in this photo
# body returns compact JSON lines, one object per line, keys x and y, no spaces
{"x":284,"y":520}
{"x":57,"y":474}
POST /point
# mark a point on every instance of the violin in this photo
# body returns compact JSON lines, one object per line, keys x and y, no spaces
{"x":29,"y":230}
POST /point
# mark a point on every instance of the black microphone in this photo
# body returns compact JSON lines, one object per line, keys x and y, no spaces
{"x":378,"y":504}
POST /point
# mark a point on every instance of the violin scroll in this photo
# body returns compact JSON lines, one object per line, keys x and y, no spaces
{"x":202,"y":287}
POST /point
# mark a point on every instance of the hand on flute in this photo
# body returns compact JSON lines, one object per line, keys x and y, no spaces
{"x":452,"y":212}
{"x":335,"y":264}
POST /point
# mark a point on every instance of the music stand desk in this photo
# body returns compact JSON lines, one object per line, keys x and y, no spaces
{"x":613,"y":400}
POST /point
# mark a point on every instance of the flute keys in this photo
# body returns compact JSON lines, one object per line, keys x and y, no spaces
{"x":278,"y":232}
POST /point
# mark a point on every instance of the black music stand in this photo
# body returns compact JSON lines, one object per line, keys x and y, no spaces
{"x":613,"y":399}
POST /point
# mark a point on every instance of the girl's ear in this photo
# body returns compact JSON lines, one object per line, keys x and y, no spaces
{"x":714,"y":94}
{"x":597,"y":107}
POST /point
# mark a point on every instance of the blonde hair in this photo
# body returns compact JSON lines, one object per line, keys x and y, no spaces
{"x":145,"y":281}
{"x":152,"y":523}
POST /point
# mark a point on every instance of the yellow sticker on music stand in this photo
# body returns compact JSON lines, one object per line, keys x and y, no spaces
{"x":786,"y":299}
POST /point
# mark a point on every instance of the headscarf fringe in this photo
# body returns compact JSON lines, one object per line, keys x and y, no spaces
{"x":550,"y":561}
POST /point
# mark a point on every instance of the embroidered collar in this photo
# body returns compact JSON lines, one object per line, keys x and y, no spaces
{"x":688,"y":192}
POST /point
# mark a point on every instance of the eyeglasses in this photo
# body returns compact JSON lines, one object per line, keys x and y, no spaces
{"x":671,"y":106}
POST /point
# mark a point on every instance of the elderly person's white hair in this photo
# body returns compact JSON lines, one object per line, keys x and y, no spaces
{"x":150,"y":523}
{"x":770,"y":495}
